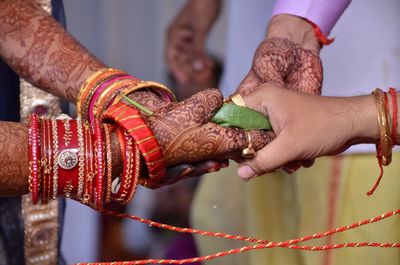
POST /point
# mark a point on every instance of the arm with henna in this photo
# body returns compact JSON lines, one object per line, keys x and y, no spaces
{"x":41,"y":51}
{"x":182,"y":129}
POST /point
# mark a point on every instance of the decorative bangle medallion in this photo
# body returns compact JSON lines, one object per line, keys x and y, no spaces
{"x":67,"y":159}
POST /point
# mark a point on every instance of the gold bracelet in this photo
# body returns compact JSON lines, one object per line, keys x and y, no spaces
{"x":55,"y":157}
{"x":150,"y":85}
{"x":384,"y":148}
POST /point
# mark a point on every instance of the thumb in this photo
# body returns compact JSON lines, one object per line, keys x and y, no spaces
{"x":267,"y":159}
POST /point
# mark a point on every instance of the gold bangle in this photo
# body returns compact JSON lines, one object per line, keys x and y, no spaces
{"x":81,"y":157}
{"x":144,"y":85}
{"x":55,"y":158}
{"x":385,"y":142}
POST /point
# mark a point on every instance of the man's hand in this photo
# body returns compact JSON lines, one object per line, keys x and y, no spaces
{"x":289,"y":58}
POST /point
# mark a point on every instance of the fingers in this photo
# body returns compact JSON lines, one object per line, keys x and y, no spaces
{"x":269,"y":158}
{"x":229,"y":142}
{"x":184,"y":171}
{"x":202,"y":106}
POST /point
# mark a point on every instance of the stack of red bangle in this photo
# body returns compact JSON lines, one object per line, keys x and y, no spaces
{"x":131,"y":121}
{"x":68,"y":158}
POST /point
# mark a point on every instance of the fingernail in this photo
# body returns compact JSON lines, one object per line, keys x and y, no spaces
{"x":187,"y":171}
{"x":245,"y":172}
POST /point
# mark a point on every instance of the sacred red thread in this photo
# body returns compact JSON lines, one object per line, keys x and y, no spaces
{"x":394,"y":116}
{"x":321,"y":37}
{"x":261,"y":244}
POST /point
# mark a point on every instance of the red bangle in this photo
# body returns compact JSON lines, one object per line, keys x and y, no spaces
{"x":67,"y":131}
{"x":99,"y":164}
{"x":89,"y":172}
{"x":131,"y":120}
{"x":108,"y":153}
{"x":394,"y":114}
{"x":34,"y":157}
{"x":129,"y":178}
{"x":46,"y":159}
{"x":321,"y":37}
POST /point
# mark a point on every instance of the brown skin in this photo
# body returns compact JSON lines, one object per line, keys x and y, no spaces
{"x":41,"y":51}
{"x":288,"y":56}
{"x":182,"y":130}
{"x":337,"y":123}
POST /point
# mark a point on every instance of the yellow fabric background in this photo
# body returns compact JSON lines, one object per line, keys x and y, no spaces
{"x":279,"y":206}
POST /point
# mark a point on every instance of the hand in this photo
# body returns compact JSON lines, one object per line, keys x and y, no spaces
{"x":308,"y":126}
{"x":185,"y":134}
{"x":186,"y":38}
{"x":288,"y":57}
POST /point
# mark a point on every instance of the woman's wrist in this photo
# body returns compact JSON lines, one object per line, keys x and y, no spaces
{"x":296,"y":29}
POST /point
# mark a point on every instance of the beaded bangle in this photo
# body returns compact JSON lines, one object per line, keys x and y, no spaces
{"x":34,"y":157}
{"x":131,"y":120}
{"x":55,"y":157}
{"x":98,"y":190}
{"x":384,"y":149}
{"x":126,"y":183}
{"x":81,"y":158}
{"x":107,"y":136}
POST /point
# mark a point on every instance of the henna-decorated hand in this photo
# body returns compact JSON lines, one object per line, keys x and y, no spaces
{"x":288,"y":57}
{"x":285,"y":64}
{"x":185,"y":134}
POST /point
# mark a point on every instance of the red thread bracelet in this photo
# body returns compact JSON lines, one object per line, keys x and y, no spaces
{"x":394,"y":116}
{"x":321,"y":37}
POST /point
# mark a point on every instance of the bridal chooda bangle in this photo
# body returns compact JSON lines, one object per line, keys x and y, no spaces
{"x":100,"y":91}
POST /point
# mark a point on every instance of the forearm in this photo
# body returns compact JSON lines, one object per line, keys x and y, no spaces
{"x":41,"y":51}
{"x":14,"y":166}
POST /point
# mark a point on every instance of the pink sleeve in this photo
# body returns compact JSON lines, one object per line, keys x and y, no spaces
{"x":323,"y":13}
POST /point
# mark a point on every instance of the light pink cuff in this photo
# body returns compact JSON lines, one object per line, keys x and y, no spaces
{"x":323,"y":13}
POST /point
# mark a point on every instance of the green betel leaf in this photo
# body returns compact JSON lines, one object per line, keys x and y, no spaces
{"x":231,"y":115}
